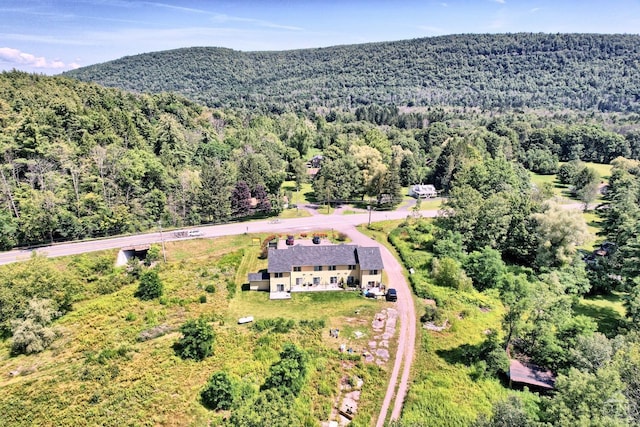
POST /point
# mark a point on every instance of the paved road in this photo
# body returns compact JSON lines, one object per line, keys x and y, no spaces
{"x":293,"y":224}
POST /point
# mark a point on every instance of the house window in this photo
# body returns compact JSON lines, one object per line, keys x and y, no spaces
{"x":374,"y":272}
{"x":351,"y":267}
{"x":371,"y":284}
{"x":317,"y":268}
{"x":297,"y":268}
{"x":316,"y":280}
{"x":278,"y":275}
{"x":332,"y":268}
{"x":280,"y":287}
{"x":299,"y":281}
{"x":350,"y":280}
{"x":333,"y":280}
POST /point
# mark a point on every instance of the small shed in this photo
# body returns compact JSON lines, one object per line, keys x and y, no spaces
{"x":259,"y":281}
{"x":527,"y":374}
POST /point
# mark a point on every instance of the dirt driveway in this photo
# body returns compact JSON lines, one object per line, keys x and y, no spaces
{"x":398,"y":383}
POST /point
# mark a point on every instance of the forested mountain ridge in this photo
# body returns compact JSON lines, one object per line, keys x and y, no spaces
{"x":552,"y":71}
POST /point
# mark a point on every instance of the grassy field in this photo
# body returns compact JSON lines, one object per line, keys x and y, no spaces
{"x":298,"y":197}
{"x":562,"y":190}
{"x":99,"y":373}
{"x":606,"y":310}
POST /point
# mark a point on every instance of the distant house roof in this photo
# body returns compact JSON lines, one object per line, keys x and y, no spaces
{"x":531,"y":375}
{"x":283,"y":260}
{"x":424,"y":188}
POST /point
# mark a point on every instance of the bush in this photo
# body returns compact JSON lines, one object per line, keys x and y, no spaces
{"x":447,"y":272}
{"x":432,"y":314}
{"x":32,"y":334}
{"x":150,"y":286}
{"x":210,"y":288}
{"x":197,"y":340}
{"x":30,"y":337}
{"x":153,"y":255}
{"x":287,"y":375}
{"x":218,"y":393}
{"x":203,"y":299}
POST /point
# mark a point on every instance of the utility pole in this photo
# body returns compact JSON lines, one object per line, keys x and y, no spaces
{"x":369,"y":208}
{"x":164,"y":253}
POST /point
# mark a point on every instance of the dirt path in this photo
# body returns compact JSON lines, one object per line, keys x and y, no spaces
{"x":399,"y":381}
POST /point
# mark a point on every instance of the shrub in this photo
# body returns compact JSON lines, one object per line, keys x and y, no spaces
{"x":210,"y":288}
{"x":447,"y":272}
{"x":30,"y":337}
{"x":218,"y":393}
{"x":432,"y":314}
{"x":32,"y":334}
{"x":153,"y":255}
{"x":288,"y":374}
{"x":150,"y":286}
{"x":197,"y":340}
{"x":203,"y":299}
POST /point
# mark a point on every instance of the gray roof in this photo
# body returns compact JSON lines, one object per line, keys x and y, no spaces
{"x":260,"y":275}
{"x":283,"y":260}
{"x":531,"y":374}
{"x":370,"y":258}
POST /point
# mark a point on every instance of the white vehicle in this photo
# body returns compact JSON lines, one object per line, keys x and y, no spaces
{"x":195,"y":233}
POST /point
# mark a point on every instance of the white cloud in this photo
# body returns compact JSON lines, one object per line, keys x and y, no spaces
{"x":19,"y":58}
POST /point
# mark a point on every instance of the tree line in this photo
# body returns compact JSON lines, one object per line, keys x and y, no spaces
{"x":491,"y":71}
{"x":80,"y":160}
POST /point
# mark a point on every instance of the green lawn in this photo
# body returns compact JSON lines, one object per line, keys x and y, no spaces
{"x":298,"y":197}
{"x":604,"y":170}
{"x":607,"y":310}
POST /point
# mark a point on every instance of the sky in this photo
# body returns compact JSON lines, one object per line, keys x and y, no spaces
{"x":52,"y":36}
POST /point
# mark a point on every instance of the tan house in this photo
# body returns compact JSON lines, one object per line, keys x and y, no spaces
{"x":302,"y":268}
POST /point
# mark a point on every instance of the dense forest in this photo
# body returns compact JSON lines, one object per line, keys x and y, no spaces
{"x":80,"y":160}
{"x":506,"y":71}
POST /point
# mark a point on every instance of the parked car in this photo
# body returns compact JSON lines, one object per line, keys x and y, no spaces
{"x":316,"y":240}
{"x":290,"y":240}
{"x":392,"y":295}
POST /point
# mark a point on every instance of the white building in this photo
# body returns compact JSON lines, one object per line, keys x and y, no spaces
{"x":423,"y":191}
